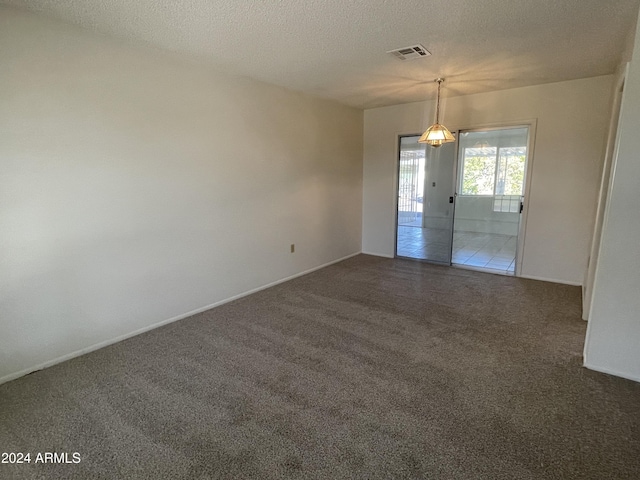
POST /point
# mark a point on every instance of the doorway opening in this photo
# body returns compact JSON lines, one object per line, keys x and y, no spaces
{"x":461,"y":204}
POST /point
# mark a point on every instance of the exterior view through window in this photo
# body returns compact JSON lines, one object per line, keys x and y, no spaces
{"x":499,"y":172}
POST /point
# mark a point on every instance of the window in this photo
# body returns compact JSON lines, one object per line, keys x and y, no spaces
{"x":493,"y":165}
{"x":479,"y":171}
{"x":493,"y":171}
{"x":510,"y":171}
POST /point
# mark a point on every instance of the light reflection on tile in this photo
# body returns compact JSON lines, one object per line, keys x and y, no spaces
{"x":480,"y":250}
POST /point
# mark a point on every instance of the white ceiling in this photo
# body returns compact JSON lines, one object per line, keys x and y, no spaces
{"x":336,"y":48}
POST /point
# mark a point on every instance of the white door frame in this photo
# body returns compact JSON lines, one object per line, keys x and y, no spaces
{"x":532,"y":124}
{"x":605,"y":182}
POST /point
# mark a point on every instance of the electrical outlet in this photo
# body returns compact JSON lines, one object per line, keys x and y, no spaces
{"x":293,"y":248}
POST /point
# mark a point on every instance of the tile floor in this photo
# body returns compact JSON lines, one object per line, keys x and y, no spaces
{"x":425,"y":243}
{"x":483,"y":251}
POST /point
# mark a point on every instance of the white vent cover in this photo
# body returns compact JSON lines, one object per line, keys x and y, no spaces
{"x":410,"y":53}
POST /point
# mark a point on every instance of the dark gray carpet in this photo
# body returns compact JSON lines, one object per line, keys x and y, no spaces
{"x":371,"y":368}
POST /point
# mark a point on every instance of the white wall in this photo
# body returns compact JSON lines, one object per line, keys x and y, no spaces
{"x":613,"y":334}
{"x":137,"y":186}
{"x":572,"y":119}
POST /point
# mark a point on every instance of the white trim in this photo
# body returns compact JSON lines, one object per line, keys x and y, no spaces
{"x":600,"y":220}
{"x":609,"y":371}
{"x":377,"y":254}
{"x":526,"y":192}
{"x":552,"y":280}
{"x":82,"y":351}
{"x":496,"y":125}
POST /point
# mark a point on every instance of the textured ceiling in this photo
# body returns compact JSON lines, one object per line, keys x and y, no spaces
{"x":336,"y":48}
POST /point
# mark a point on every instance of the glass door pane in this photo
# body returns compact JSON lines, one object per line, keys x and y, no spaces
{"x":410,"y":182}
{"x":425,"y":201}
{"x":492,"y":166}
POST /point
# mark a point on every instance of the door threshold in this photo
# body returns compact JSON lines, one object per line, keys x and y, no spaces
{"x":504,"y":273}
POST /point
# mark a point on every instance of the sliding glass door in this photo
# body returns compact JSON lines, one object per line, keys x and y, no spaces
{"x":426,"y":182}
{"x":492,"y":166}
{"x":461,"y":203}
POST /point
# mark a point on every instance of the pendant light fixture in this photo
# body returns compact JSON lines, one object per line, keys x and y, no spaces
{"x":437,"y":134}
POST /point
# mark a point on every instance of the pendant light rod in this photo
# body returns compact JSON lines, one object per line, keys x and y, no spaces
{"x":439,"y":81}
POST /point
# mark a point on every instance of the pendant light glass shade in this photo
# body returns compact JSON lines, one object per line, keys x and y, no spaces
{"x":437,"y":134}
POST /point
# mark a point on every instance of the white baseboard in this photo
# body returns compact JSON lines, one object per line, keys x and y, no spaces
{"x":99,"y":345}
{"x":609,"y":371}
{"x":552,"y":280}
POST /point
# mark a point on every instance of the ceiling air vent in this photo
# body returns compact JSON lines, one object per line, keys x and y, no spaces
{"x":410,"y":53}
